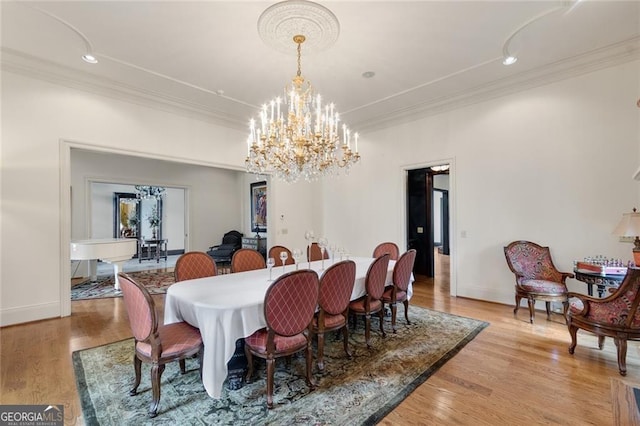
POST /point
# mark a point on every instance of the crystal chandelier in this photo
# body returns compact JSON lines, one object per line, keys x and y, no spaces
{"x":144,"y":192}
{"x":298,"y":136}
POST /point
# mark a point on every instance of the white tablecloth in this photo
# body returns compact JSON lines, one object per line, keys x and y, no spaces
{"x":228,"y":307}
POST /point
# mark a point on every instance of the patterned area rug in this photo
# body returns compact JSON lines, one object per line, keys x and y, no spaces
{"x":156,"y":282}
{"x":360,"y":391}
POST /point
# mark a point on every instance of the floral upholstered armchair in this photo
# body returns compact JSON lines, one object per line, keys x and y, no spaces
{"x":616,"y":316}
{"x":536,"y":276}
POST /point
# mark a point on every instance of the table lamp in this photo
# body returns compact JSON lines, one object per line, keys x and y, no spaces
{"x":629,"y":226}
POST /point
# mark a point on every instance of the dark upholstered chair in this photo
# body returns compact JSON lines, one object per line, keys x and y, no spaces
{"x":314,"y":252}
{"x":155,"y":343}
{"x":536,"y":276}
{"x":336,"y":286}
{"x":398,"y":291}
{"x":222,"y":253}
{"x":387,"y":247}
{"x":275,"y":253}
{"x":289,"y":305}
{"x":194,"y":264}
{"x":371,"y":302}
{"x":615,"y":316}
{"x":247,"y":260}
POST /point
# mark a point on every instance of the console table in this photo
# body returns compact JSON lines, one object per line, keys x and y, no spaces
{"x":152,"y":249}
{"x":601,"y":280}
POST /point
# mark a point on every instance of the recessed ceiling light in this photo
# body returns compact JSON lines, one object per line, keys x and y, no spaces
{"x":89,"y":58}
{"x":368,"y":74}
{"x":509,"y":60}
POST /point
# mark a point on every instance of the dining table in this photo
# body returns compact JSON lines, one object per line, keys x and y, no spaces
{"x":231,"y":306}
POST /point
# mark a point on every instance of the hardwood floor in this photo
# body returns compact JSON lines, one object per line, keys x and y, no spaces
{"x":512,"y":373}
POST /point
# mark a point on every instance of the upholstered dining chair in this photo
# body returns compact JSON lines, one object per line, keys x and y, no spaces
{"x":194,"y":264}
{"x":616,"y":316}
{"x":387,"y":247}
{"x":536,"y":276}
{"x":247,"y":259}
{"x":289,"y":305}
{"x":275,"y":253}
{"x":336,"y":286}
{"x":155,"y":343}
{"x":398,"y":291}
{"x":314,"y":252}
{"x":371,"y":302}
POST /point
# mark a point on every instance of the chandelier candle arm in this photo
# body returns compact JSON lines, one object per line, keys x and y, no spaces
{"x":304,"y":142}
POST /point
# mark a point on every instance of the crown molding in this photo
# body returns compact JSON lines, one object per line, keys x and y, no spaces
{"x":605,"y":57}
{"x":30,"y":66}
{"x":595,"y":60}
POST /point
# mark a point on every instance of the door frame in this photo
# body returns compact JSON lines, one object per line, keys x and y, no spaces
{"x":453,"y":242}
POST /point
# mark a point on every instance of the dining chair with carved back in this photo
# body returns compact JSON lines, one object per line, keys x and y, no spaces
{"x":275,"y":253}
{"x":156,"y":343}
{"x":387,"y":247}
{"x":247,"y":259}
{"x":289,"y":305}
{"x":315,"y":253}
{"x":398,"y":291}
{"x":371,"y":302}
{"x":194,"y":264}
{"x":336,"y":286}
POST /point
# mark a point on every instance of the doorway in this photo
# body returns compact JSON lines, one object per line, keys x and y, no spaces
{"x":428,"y":221}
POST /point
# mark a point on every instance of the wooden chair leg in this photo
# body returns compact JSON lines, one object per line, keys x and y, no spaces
{"x":321,"y":350}
{"x":381,"y":316}
{"x":183,"y":366}
{"x":345,"y":335}
{"x":622,"y":355}
{"x":394,"y":311}
{"x":518,"y":299}
{"x":270,"y":373}
{"x":406,"y":311}
{"x":601,"y":342}
{"x":367,"y":329}
{"x":156,"y":375}
{"x":249,"y":356}
{"x":532,"y":307}
{"x":547,"y":305}
{"x":137,"y":367}
{"x":309,"y":359}
{"x":573,"y":330}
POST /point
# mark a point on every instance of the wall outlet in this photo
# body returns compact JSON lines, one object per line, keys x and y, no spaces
{"x":284,"y":231}
{"x":420,"y":230}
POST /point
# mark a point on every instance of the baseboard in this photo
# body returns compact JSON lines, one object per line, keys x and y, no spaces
{"x":31,"y":313}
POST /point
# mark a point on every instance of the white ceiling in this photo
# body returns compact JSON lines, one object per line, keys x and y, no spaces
{"x":207,"y":56}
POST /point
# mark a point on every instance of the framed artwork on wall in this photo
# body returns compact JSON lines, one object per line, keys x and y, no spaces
{"x":259,"y":206}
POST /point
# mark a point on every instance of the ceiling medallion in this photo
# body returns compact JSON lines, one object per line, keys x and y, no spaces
{"x":279,"y":23}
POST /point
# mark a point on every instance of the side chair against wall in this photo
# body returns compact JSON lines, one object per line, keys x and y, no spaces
{"x":371,"y":302}
{"x":336,"y":286}
{"x":314,"y":252}
{"x":536,"y":276}
{"x":194,"y":264}
{"x":398,"y":291}
{"x":275,"y":253}
{"x":289,"y":305}
{"x":155,"y":343}
{"x":247,"y":259}
{"x":387,"y":247}
{"x":616,"y":316}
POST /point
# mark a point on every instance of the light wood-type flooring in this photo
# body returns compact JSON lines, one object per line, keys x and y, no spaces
{"x":512,"y":373}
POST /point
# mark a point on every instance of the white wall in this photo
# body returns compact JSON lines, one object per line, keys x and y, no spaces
{"x":215,"y":205}
{"x":36,"y":117}
{"x":552,"y":164}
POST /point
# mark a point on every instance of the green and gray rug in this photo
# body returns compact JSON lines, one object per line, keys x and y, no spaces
{"x":360,"y":391}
